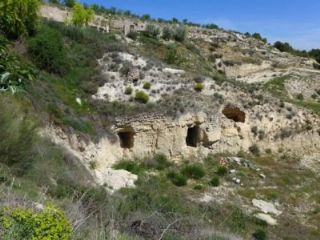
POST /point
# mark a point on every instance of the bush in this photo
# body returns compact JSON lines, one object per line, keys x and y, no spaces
{"x":21,"y":223}
{"x":133,"y":35}
{"x":254,"y":149}
{"x":177,"y":178}
{"x":18,"y":17}
{"x":222,"y":171}
{"x":199,"y":87}
{"x":69,"y":3}
{"x":260,"y":235}
{"x":167,"y":33}
{"x":13,"y":74}
{"x":141,"y":97}
{"x":171,"y":56}
{"x":152,"y":31}
{"x":18,"y":137}
{"x":161,"y":161}
{"x":147,"y":85}
{"x":80,"y":15}
{"x":47,"y":51}
{"x":129,"y":166}
{"x":215,"y":182}
{"x":180,"y":33}
{"x":128,"y":91}
{"x":193,"y":171}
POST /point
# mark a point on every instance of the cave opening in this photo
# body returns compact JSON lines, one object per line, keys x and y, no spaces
{"x":193,"y":136}
{"x":126,"y":139}
{"x":234,"y":113}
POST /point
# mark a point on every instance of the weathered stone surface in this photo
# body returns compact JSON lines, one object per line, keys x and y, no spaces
{"x":267,"y":218}
{"x":265,"y":207}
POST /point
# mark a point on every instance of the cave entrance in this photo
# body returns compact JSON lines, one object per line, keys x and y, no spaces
{"x":234,"y":113}
{"x":126,"y":138}
{"x":193,"y":136}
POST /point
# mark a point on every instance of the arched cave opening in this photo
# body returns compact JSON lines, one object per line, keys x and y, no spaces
{"x":126,"y":138}
{"x":234,"y":113}
{"x":193,"y":136}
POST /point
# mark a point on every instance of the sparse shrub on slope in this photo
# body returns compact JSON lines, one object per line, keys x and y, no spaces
{"x":180,"y":33}
{"x":177,"y":179}
{"x":18,"y":17}
{"x":18,"y":137}
{"x":167,"y":33}
{"x":142,"y":97}
{"x":152,"y":31}
{"x":193,"y":171}
{"x":47,"y":51}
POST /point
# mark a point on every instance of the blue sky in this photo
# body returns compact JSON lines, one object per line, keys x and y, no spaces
{"x":295,"y":21}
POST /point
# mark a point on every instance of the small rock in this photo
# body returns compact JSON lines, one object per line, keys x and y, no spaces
{"x":266,"y":207}
{"x":262,"y":175}
{"x":267,"y":218}
{"x":78,"y":100}
{"x":232,"y":171}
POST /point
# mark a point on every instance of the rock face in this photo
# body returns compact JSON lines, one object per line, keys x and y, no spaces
{"x":265,"y":207}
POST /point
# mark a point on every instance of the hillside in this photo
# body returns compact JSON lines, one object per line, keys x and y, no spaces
{"x":138,"y":129}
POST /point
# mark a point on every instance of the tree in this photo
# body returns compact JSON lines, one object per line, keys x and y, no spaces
{"x":69,"y":3}
{"x":18,"y":17}
{"x":80,"y":15}
{"x":283,"y":47}
{"x":258,"y":37}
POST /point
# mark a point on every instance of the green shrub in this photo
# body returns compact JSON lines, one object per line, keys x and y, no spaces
{"x":171,"y":56}
{"x":177,"y":178}
{"x":180,"y":33}
{"x":18,"y":17}
{"x":47,"y":51}
{"x":142,"y":97}
{"x":128,"y":91}
{"x":167,"y":33}
{"x":81,"y":16}
{"x":18,"y":137}
{"x":215,"y":182}
{"x":254,"y":149}
{"x":133,"y":35}
{"x":69,"y":3}
{"x":161,"y":161}
{"x":147,"y":85}
{"x":21,"y":223}
{"x":260,"y":235}
{"x":222,"y":171}
{"x":199,"y":87}
{"x":152,"y":31}
{"x":130,"y":166}
{"x":194,"y":171}
{"x":13,"y":74}
{"x":199,"y":187}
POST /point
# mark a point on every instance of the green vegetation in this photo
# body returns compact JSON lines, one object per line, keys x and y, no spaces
{"x":194,"y":171}
{"x":21,"y":223}
{"x":147,"y":85}
{"x":14,"y":74}
{"x":47,"y":51}
{"x":128,"y":91}
{"x":177,"y":179}
{"x":199,"y":87}
{"x":141,"y":97}
{"x":215,"y":181}
{"x":152,"y":31}
{"x":18,"y":17}
{"x":80,"y":15}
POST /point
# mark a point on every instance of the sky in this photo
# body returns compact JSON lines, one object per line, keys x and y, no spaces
{"x":293,"y":21}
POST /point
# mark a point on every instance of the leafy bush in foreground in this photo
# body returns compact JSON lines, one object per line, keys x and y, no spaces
{"x":21,"y":223}
{"x":18,"y":17}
